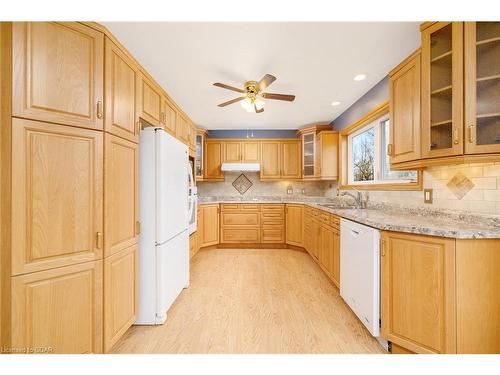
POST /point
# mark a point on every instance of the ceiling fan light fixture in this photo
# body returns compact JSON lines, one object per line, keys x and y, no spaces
{"x":247,"y":104}
{"x":259,"y":103}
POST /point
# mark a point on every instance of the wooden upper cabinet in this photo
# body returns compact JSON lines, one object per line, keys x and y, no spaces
{"x":120,"y":294}
{"x":192,"y":136}
{"x":199,"y":153}
{"x":58,"y":73}
{"x":168,"y":116}
{"x":270,"y":167}
{"x":309,"y":160}
{"x":442,"y":89}
{"x":121,"y":79}
{"x":121,"y":194}
{"x":418,"y":308}
{"x":294,"y":223}
{"x":60,"y":309}
{"x":291,"y":160}
{"x":232,"y":152}
{"x":57,"y":174}
{"x":250,"y":152}
{"x":212,"y":161}
{"x":182,"y":129}
{"x":149,"y":102}
{"x":482,"y":87}
{"x":404,"y":107}
{"x":327,"y":155}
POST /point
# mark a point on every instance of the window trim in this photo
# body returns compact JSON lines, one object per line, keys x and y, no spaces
{"x":344,"y":154}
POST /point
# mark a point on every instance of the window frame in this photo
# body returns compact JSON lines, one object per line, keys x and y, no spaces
{"x":372,"y":119}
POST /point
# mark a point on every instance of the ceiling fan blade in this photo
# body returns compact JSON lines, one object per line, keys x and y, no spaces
{"x":231,"y":101}
{"x":224,"y":86}
{"x":258,"y":110}
{"x":266,"y":81}
{"x":288,"y":98}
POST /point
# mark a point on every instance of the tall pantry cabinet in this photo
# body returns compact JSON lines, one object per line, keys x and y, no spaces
{"x":69,"y":281}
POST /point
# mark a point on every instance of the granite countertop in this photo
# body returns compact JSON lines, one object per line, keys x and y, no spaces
{"x":432,"y":222}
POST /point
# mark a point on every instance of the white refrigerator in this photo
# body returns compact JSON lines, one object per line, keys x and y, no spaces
{"x":163,"y":211}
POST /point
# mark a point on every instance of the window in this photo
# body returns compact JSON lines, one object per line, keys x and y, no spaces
{"x":368,"y":162}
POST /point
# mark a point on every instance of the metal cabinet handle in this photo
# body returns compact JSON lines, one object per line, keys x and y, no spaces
{"x":471,"y":133}
{"x":389,"y":149}
{"x":382,"y":251}
{"x":99,"y":109}
{"x":455,"y":136}
{"x":98,"y":240}
{"x":137,"y":227}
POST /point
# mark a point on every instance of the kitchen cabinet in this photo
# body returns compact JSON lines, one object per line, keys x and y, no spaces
{"x":213,"y":160}
{"x":57,"y":174}
{"x":120,"y":294}
{"x":482,"y":87}
{"x":232,"y":152}
{"x":241,"y":152}
{"x":58,"y":309}
{"x":182,"y":129}
{"x":312,"y":161}
{"x":240,"y":223}
{"x":121,"y":80}
{"x":418,"y":292}
{"x":290,"y":160}
{"x":199,"y":153}
{"x":327,"y":155}
{"x":168,"y":116}
{"x":121,"y":194}
{"x":326,"y":249}
{"x":294,"y":223}
{"x":280,"y":160}
{"x":69,"y":89}
{"x":442,"y":89}
{"x":193,"y":244}
{"x":192,"y":137}
{"x":404,"y":108}
{"x":336,"y":258}
{"x":150,"y":99}
{"x":272,"y":221}
{"x":209,"y":214}
{"x":250,"y":151}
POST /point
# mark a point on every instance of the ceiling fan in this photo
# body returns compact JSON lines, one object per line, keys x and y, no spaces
{"x":252,"y":100}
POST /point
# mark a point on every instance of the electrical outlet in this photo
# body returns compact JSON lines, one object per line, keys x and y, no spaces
{"x":427,"y":195}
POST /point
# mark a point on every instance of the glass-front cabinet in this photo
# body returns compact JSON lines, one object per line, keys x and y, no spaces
{"x":200,"y":144}
{"x":308,"y":152}
{"x":442,"y":89}
{"x":482,"y":87}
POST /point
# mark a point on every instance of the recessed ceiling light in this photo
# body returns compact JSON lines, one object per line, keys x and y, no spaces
{"x":360,"y":77}
{"x":335,"y":103}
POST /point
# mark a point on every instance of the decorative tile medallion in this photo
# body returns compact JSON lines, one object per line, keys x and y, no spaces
{"x":460,"y":185}
{"x":242,"y":184}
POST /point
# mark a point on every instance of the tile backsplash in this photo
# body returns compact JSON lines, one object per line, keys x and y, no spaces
{"x":265,"y":188}
{"x":482,"y":198}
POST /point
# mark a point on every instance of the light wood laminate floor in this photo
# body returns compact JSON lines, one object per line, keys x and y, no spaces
{"x":254,"y":301}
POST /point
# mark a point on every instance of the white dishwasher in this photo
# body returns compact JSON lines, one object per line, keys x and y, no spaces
{"x":360,"y":272}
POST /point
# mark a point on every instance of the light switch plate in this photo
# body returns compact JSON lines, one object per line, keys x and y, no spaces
{"x":427,"y":195}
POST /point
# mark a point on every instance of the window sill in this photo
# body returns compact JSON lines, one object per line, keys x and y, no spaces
{"x":389,"y":186}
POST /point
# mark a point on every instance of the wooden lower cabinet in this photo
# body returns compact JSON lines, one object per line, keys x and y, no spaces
{"x":294,"y":219}
{"x":59,"y":310}
{"x":418,"y":292}
{"x":120,"y":294}
{"x":240,"y":235}
{"x":329,"y":252}
{"x":209,"y":225}
{"x":193,"y":244}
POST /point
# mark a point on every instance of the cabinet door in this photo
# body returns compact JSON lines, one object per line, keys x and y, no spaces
{"x":482,"y":87}
{"x":149,"y":101}
{"x":404,"y":107}
{"x":213,"y":161}
{"x":250,"y":152}
{"x":326,"y":249}
{"x":121,"y":77}
{"x":169,"y":115}
{"x":442,"y":89}
{"x":199,"y":156}
{"x":270,"y":167}
{"x":57,"y":175}
{"x":182,"y":129}
{"x":58,"y":73}
{"x":309,"y":155}
{"x":59,"y":309}
{"x":328,"y":155}
{"x":336,"y":258}
{"x":294,"y":222}
{"x":315,"y":238}
{"x":232,"y":152}
{"x":210,"y":223}
{"x":121,"y":197}
{"x":290,"y":160}
{"x":418,"y":292}
{"x":120,"y":294}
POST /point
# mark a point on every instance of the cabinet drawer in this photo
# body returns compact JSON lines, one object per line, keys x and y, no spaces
{"x":230,"y":207}
{"x":272,"y":235}
{"x":249,"y":207}
{"x":325,"y":218}
{"x":272,"y":223}
{"x":235,"y":235}
{"x":272,"y":207}
{"x":334,"y":221}
{"x":273,"y":215}
{"x":240,"y":219}
{"x":315,"y":212}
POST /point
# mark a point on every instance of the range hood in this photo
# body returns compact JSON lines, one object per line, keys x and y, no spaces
{"x":240,"y":167}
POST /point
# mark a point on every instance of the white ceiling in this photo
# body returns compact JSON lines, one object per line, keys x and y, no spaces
{"x":316,"y":62}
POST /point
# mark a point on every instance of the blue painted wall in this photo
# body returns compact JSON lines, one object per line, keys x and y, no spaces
{"x":252,"y":134}
{"x":369,"y":101}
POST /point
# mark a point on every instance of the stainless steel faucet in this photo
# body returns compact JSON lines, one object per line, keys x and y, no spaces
{"x":358,"y":198}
